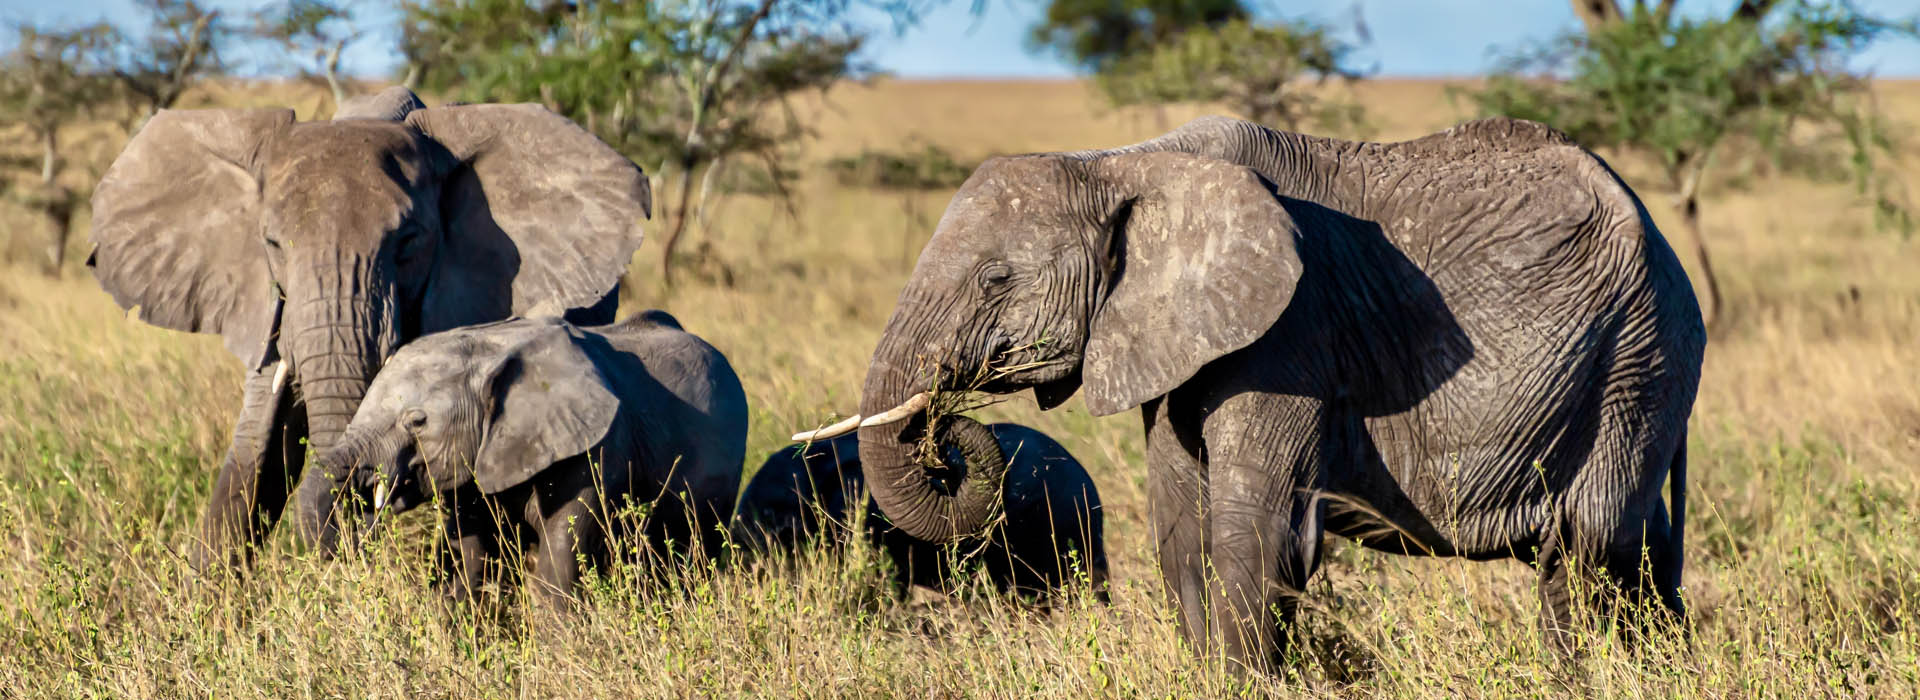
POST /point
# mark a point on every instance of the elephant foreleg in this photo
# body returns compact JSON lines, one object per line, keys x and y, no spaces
{"x":262,"y":464}
{"x":569,"y":536}
{"x":1177,"y":500}
{"x":1264,"y":465}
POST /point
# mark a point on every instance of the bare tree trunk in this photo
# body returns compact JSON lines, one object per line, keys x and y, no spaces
{"x":333,"y":73}
{"x":55,"y":203}
{"x":49,"y":154}
{"x":706,"y":188}
{"x":685,"y":185}
{"x":1690,"y":217}
{"x":1689,"y":200}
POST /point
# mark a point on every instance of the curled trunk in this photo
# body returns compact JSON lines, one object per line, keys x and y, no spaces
{"x":895,"y":474}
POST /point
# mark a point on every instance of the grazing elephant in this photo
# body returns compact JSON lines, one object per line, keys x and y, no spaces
{"x":1470,"y":344}
{"x":317,"y":248}
{"x":1052,"y":532}
{"x":539,"y":427}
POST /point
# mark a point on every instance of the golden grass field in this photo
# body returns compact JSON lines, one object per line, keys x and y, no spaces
{"x":1803,"y":553}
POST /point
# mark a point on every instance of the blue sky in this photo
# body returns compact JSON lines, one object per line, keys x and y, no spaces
{"x":1410,"y":37}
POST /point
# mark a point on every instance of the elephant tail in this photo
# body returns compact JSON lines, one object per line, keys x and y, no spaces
{"x":1677,"y":503}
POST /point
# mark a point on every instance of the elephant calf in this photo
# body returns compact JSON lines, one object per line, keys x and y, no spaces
{"x":1053,"y":520}
{"x":533,"y":429}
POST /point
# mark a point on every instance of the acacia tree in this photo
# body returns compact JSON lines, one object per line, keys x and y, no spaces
{"x":687,"y":84}
{"x":50,"y":79}
{"x":1679,"y":89}
{"x":317,"y":31}
{"x":1094,"y":33}
{"x":181,"y":47}
{"x":1266,"y":72}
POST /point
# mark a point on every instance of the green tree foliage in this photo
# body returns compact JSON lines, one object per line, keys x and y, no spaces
{"x":1093,"y":33}
{"x":686,"y":84}
{"x":1773,"y":76}
{"x":48,"y":80}
{"x":1268,"y":73}
{"x":313,"y":33}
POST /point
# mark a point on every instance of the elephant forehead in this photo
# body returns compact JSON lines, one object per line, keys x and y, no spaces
{"x":359,"y":176}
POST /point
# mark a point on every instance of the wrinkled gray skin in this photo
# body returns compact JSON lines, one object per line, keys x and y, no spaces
{"x":317,"y":248}
{"x":1053,"y":529}
{"x":549,"y":426}
{"x":1471,"y":344}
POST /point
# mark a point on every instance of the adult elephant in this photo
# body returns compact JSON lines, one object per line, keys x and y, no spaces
{"x":1471,"y":344}
{"x":317,"y":248}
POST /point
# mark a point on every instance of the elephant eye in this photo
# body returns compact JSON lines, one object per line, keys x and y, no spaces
{"x":410,"y":240}
{"x":995,"y":275}
{"x":413,"y":419}
{"x":272,"y":244}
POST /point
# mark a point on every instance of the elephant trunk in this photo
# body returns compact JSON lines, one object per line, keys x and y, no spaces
{"x":337,"y":339}
{"x":893,"y":463}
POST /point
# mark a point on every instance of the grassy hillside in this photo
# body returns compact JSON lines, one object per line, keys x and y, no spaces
{"x":1804,"y":546}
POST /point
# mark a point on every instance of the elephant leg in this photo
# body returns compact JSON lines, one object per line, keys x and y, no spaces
{"x":1611,"y":542}
{"x":262,"y":464}
{"x":1177,"y":501}
{"x":471,"y":551}
{"x":569,"y":537}
{"x":1265,"y":459}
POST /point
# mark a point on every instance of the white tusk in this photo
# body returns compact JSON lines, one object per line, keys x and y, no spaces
{"x":829,"y":432}
{"x":914,"y":404}
{"x":380,"y":495}
{"x":279,"y":376}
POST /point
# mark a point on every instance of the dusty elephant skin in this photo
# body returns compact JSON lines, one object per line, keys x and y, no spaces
{"x":1052,"y":534}
{"x":534,"y":429}
{"x":1471,"y":344}
{"x":317,"y":248}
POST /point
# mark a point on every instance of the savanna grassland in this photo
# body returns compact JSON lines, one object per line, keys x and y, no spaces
{"x":1804,"y":542}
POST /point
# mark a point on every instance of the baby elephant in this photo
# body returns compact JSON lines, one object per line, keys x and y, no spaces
{"x":536,"y":431}
{"x":1053,"y":520}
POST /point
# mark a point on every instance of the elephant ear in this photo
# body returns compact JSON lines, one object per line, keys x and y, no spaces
{"x":176,"y":232}
{"x":549,"y":403}
{"x":1204,"y":263}
{"x":541,"y":216}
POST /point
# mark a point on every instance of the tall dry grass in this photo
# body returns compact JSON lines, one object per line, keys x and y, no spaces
{"x":1804,"y":549}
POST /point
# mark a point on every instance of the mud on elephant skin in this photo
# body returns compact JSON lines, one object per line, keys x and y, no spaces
{"x":1471,"y":344}
{"x":1052,"y":538}
{"x":540,"y":430}
{"x":317,"y":248}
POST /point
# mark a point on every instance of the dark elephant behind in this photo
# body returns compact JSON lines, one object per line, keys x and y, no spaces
{"x":1053,"y":534}
{"x":318,"y":248}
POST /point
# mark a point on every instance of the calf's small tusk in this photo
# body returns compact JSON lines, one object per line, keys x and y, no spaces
{"x":380,"y":495}
{"x":279,"y":376}
{"x":914,"y":404}
{"x":829,"y":432}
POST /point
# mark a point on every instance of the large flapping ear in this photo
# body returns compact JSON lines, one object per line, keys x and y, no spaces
{"x":1204,"y":263}
{"x":549,"y":403}
{"x":540,"y":215}
{"x":176,"y":226}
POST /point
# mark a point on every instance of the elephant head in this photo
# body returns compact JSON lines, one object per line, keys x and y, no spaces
{"x":458,"y":408}
{"x":323,"y":246}
{"x":1119,"y":273}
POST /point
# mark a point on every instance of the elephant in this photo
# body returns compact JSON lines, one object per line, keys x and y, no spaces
{"x":1053,"y":520}
{"x":1472,"y":344}
{"x":536,"y":428}
{"x":318,"y":248}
